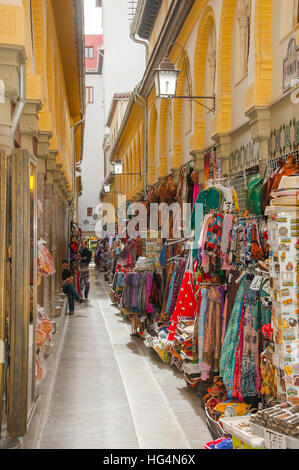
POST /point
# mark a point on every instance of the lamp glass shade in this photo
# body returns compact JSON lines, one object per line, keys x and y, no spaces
{"x":118,"y":167}
{"x":166,"y":82}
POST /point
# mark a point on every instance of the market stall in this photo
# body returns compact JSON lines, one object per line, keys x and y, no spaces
{"x":222,"y":306}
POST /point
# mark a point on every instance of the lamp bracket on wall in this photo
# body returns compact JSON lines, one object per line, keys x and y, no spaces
{"x":195,"y":98}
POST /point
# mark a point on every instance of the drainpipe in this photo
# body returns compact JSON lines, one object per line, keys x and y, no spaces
{"x":74,"y":128}
{"x":139,"y":41}
{"x":70,"y":215}
{"x":145,"y":159}
{"x":18,"y":111}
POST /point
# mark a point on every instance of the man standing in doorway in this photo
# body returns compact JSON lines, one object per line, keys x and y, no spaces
{"x":85,"y":258}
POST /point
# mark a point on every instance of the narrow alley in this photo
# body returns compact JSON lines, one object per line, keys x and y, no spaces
{"x":109,"y":391}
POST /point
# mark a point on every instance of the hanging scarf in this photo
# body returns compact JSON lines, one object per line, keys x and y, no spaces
{"x":176,"y":286}
{"x":213,"y":238}
{"x":135,"y":288}
{"x":228,"y":352}
{"x":155,"y":295}
{"x":197,"y":295}
{"x":142,"y":295}
{"x":126,"y":288}
{"x":249,"y":368}
{"x":201,"y":326}
{"x":149,"y":306}
{"x":238,"y":359}
{"x":212,"y":337}
{"x":225,"y":242}
{"x":195,"y":193}
{"x":167,"y":287}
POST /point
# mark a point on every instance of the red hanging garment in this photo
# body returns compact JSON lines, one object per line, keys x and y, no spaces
{"x":186,"y":302}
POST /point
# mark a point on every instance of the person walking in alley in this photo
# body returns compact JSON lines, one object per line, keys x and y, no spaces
{"x":85,"y":258}
{"x":68,"y":287}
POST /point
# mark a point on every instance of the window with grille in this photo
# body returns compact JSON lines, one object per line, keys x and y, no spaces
{"x":88,"y":52}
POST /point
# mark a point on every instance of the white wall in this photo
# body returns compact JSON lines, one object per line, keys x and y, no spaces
{"x":124,"y":62}
{"x":93,"y":156}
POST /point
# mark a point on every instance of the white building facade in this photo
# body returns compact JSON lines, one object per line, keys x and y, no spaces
{"x":92,"y":168}
{"x":119,"y":68}
{"x":124,"y":59}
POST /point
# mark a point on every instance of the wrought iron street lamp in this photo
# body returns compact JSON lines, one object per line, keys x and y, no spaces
{"x":118,"y":167}
{"x":166,"y":76}
{"x":107,"y":188}
{"x":166,"y":79}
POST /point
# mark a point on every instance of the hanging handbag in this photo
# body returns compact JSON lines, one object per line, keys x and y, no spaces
{"x":287,"y":169}
{"x":267,"y":187}
{"x":253,"y":195}
{"x":272,"y":182}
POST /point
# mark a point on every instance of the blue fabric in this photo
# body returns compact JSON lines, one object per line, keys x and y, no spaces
{"x":163,"y":255}
{"x":170,"y":292}
{"x":135,"y":285}
{"x":72,"y":294}
{"x":119,"y":279}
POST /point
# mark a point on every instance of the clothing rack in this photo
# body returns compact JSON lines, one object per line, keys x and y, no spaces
{"x":251,"y":217}
{"x":146,"y":270}
{"x":181,"y":240}
{"x":216,"y":284}
{"x":219,"y":180}
{"x":177,"y":257}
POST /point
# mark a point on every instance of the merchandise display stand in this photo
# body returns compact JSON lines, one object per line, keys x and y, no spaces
{"x":283,"y":236}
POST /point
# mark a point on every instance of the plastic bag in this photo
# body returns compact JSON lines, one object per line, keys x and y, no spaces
{"x":44,"y":323}
{"x":45,"y":264}
{"x":41,"y":337}
{"x":39,"y":208}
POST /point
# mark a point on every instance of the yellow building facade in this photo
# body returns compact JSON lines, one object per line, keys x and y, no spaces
{"x":42,"y":105}
{"x":234,"y":50}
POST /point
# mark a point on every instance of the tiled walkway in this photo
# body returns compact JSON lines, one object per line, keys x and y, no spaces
{"x":111,"y":392}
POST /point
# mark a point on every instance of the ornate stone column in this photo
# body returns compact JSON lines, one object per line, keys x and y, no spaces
{"x":42,"y":154}
{"x":9,"y":62}
{"x":50,"y":296}
{"x":223,"y":151}
{"x":198,"y":158}
{"x":29,"y":124}
{"x":57,"y":228}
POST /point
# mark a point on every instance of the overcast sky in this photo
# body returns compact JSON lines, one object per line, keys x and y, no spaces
{"x":92,"y":17}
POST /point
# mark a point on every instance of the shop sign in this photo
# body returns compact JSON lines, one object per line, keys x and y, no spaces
{"x":290,"y":64}
{"x":275,"y":440}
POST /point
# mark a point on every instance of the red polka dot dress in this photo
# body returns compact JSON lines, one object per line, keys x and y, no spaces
{"x":185,"y":306}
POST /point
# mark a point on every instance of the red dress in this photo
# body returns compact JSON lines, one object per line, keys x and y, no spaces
{"x":185,"y":305}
